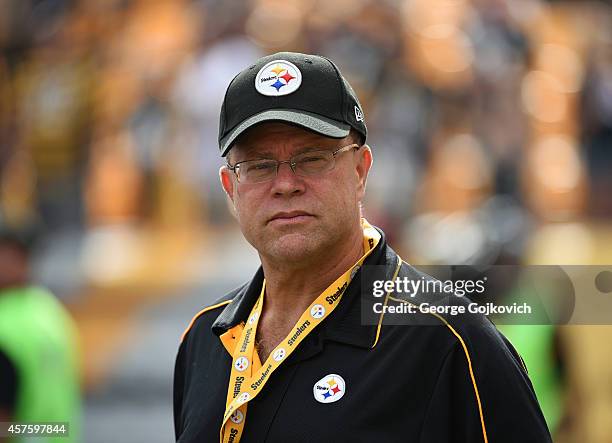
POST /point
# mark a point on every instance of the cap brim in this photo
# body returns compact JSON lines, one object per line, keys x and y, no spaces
{"x":307,"y":120}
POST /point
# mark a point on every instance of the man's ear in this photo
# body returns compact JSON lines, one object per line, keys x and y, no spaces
{"x":364,"y":163}
{"x":227,"y":181}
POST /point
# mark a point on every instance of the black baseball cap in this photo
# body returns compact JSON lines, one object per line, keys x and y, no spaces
{"x":301,"y":89}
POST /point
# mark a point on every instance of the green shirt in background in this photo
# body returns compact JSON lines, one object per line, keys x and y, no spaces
{"x":39,"y":337}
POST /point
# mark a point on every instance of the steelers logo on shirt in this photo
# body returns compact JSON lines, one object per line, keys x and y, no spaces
{"x":329,"y":389}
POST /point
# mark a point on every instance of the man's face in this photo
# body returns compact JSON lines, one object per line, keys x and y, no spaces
{"x":290,"y":217}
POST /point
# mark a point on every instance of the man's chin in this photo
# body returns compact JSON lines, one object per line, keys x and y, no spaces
{"x":293,"y":247}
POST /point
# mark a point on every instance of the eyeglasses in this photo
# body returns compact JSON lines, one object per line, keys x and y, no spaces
{"x":306,"y":164}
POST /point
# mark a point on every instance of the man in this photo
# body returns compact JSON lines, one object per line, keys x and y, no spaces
{"x":287,"y":357}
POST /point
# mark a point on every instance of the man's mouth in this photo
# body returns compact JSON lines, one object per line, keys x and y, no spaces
{"x":290,"y":217}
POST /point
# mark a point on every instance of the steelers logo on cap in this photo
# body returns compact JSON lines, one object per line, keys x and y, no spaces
{"x":277,"y":78}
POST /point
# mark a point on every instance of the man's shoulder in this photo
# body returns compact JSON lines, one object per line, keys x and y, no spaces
{"x":448,"y":310}
{"x":206,"y":316}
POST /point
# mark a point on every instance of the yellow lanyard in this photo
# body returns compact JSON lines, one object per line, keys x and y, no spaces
{"x":248,"y":375}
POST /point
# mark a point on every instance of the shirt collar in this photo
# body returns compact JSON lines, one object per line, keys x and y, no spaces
{"x":344,"y":324}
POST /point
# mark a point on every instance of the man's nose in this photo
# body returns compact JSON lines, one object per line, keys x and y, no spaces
{"x":286,"y":181}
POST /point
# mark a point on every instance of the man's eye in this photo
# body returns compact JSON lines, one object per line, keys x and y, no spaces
{"x":312,"y":158}
{"x":263,"y":166}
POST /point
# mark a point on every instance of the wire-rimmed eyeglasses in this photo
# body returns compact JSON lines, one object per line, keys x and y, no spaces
{"x":306,"y":164}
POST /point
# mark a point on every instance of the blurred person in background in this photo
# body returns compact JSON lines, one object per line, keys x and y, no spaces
{"x":39,"y":377}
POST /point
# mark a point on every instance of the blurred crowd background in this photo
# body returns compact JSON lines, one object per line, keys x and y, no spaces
{"x":490,"y":122}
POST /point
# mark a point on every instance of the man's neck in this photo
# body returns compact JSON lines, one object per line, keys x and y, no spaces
{"x":290,"y":290}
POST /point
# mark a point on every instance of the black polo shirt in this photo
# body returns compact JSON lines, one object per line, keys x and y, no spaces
{"x":458,"y":381}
